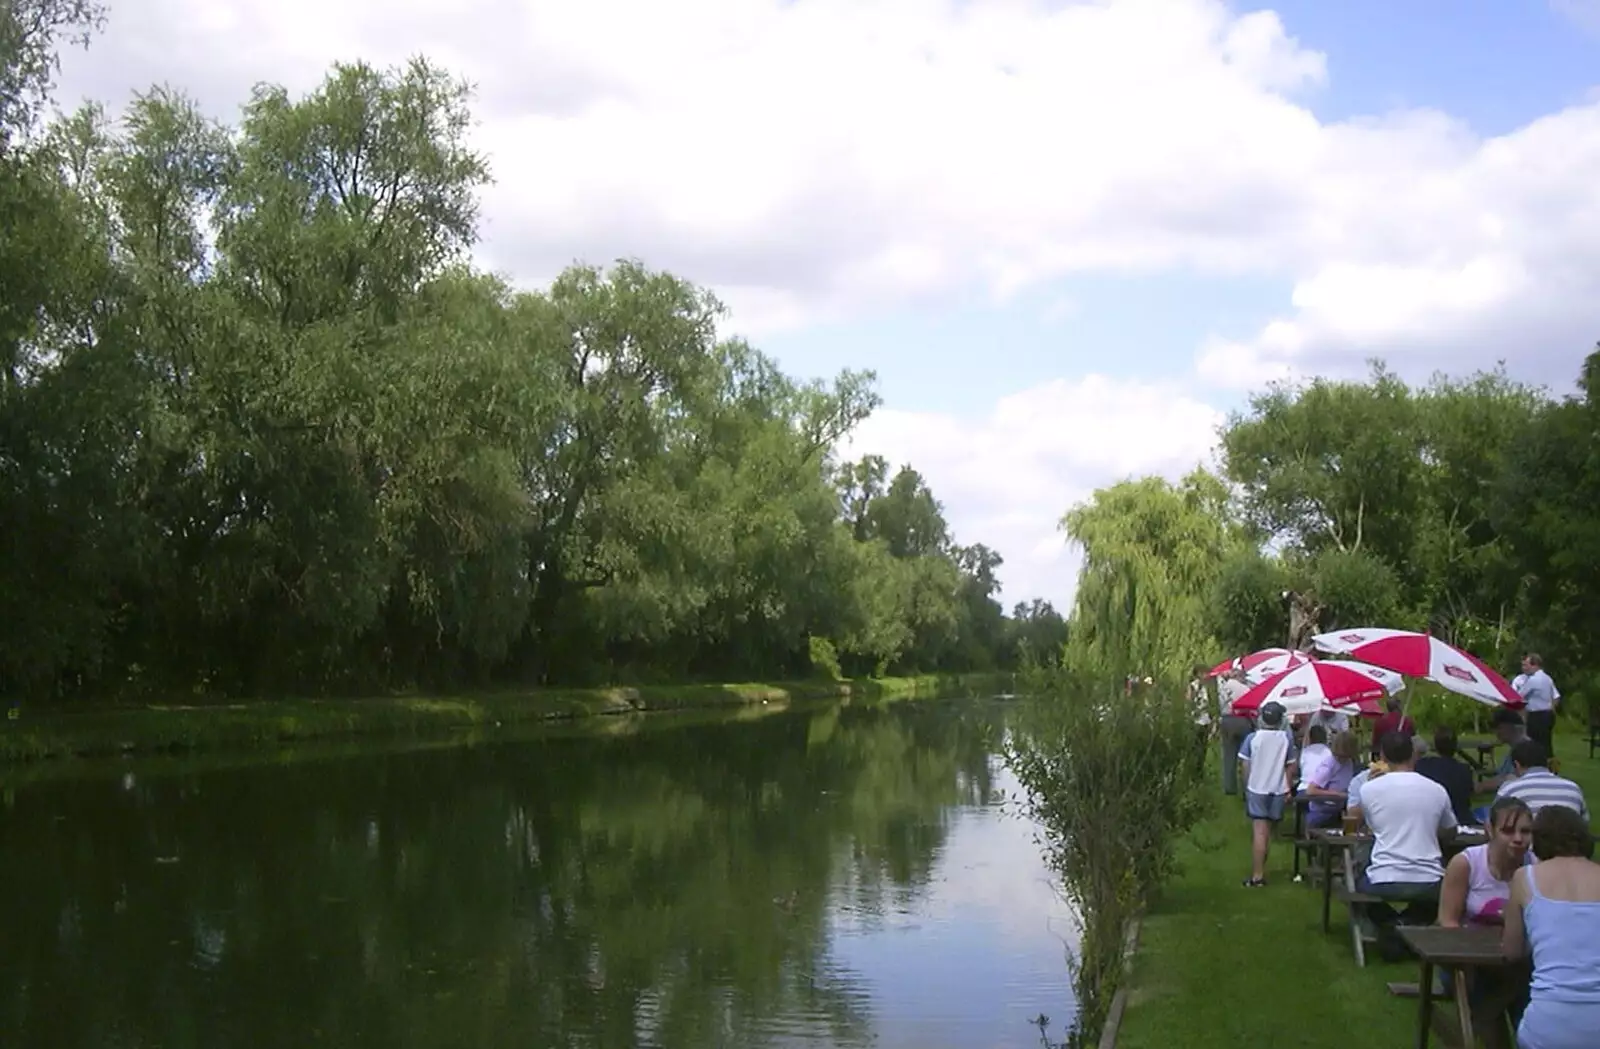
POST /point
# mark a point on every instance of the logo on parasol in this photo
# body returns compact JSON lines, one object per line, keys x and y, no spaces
{"x":1461,"y":673}
{"x":1352,"y":638}
{"x":1297,"y":690}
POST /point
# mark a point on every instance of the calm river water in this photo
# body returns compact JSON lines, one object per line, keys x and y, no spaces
{"x":830,"y":877}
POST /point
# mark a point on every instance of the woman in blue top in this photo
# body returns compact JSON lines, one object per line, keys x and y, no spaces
{"x":1555,"y":912}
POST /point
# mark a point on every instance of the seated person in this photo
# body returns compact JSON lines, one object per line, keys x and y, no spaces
{"x":1407,"y":814}
{"x":1555,"y":913}
{"x":1536,"y":785}
{"x":1476,"y":889}
{"x":1451,"y":773}
{"x":1313,"y":754}
{"x":1330,"y":780}
{"x":1509,"y":730}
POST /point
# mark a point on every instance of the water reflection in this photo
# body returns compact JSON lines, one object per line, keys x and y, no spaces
{"x":834,"y":877}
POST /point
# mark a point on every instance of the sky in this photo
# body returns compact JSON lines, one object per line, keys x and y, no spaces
{"x":1068,"y":236}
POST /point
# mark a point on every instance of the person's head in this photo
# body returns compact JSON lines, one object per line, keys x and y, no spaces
{"x":1199,"y":671}
{"x":1392,"y":704}
{"x":1444,"y":741}
{"x":1317,"y":734}
{"x":1507,"y":725}
{"x":1344,"y":746}
{"x":1532,"y":662}
{"x":1419,"y":747}
{"x":1559,"y":831}
{"x":1397,"y":750}
{"x":1271,"y":715}
{"x":1510,"y":827}
{"x":1529,"y":754}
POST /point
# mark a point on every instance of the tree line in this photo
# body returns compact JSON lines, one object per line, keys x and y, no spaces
{"x":1464,"y":506}
{"x":264,"y":426}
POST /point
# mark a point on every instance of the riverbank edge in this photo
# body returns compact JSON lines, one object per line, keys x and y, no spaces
{"x":43,"y":733}
{"x":1119,"y":1001}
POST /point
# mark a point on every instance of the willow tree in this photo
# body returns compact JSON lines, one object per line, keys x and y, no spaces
{"x":1151,"y":554}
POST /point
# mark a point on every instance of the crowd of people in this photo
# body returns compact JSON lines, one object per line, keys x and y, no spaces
{"x":1534,"y":876}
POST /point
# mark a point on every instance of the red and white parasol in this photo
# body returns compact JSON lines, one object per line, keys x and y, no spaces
{"x":1390,"y":681}
{"x":1287,"y":657}
{"x":1274,"y":666}
{"x":1311,"y":686}
{"x":1422,"y":655}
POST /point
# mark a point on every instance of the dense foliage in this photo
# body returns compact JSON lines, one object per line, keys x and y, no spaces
{"x":264,"y":427}
{"x":1465,"y":507}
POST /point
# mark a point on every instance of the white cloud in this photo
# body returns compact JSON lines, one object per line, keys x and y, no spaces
{"x":1007,"y":479}
{"x":813,"y":159}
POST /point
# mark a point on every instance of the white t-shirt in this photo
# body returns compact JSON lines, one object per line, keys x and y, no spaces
{"x":1266,"y":752}
{"x":1312,"y":757}
{"x":1406,"y":812}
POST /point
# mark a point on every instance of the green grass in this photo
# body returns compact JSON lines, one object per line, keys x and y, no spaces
{"x":75,"y":731}
{"x":1219,"y":965}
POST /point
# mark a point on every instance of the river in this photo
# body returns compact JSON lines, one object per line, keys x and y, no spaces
{"x":822,"y":877}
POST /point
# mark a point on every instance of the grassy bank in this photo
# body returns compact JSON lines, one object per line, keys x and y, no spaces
{"x":46,"y":732}
{"x":1219,"y":964}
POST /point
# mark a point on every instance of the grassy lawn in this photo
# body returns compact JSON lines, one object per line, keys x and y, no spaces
{"x":1221,"y":966}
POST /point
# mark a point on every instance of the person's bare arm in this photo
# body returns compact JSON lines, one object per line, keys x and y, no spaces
{"x":1453,"y":892}
{"x":1514,"y":936}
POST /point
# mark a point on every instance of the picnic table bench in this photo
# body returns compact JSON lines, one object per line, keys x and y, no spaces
{"x":1460,"y":949}
{"x":1335,"y":839}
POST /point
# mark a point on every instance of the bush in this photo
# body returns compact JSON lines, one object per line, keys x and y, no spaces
{"x":1248,"y":601}
{"x":1356,"y":589}
{"x":1113,"y":781}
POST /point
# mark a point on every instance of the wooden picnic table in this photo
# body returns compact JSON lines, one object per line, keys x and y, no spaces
{"x":1332,"y":839}
{"x":1460,"y":949}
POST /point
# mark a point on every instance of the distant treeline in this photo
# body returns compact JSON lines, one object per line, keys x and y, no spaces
{"x":265,"y":429}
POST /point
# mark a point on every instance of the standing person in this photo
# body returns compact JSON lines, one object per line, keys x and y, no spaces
{"x":1233,"y":728}
{"x":1542,"y":699}
{"x":1268,"y":758}
{"x":1200,"y":708}
{"x":1393,"y":720}
{"x":1555,"y":913}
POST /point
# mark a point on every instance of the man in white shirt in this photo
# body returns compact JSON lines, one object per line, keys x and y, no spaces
{"x":1407,"y":813}
{"x":1268,"y":757}
{"x":1541,"y":697}
{"x":1233,"y":728}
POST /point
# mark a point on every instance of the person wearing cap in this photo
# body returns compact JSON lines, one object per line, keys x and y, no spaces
{"x":1268,"y":758}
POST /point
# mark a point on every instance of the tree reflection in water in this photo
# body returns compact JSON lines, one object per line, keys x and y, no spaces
{"x":667,"y":888}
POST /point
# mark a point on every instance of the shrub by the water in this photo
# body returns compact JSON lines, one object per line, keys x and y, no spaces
{"x":1113,"y":780}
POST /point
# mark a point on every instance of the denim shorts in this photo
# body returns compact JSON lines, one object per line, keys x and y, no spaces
{"x":1264,"y":806}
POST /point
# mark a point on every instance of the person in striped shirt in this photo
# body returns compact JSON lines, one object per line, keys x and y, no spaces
{"x":1535,"y":785}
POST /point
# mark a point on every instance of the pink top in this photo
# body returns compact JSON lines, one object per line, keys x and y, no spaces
{"x":1486,"y":894}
